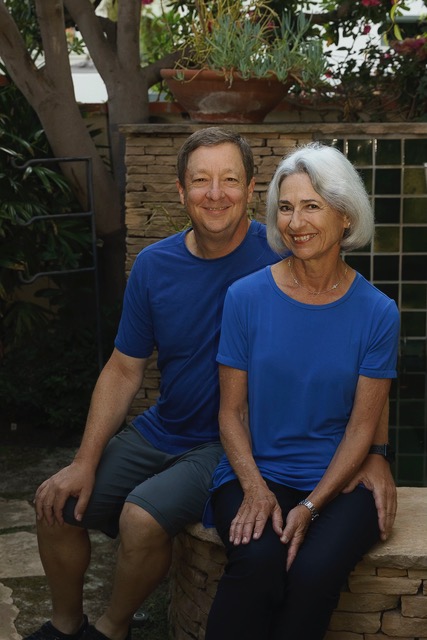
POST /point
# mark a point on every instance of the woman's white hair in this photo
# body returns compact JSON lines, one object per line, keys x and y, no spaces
{"x":336,"y":180}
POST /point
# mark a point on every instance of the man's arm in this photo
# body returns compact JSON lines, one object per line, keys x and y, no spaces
{"x":376,"y":475}
{"x":114,"y":391}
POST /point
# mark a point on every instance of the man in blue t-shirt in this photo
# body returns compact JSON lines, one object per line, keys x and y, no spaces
{"x":153,"y":477}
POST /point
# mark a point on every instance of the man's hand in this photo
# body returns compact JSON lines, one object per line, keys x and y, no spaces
{"x":75,"y":480}
{"x":376,"y":476}
{"x":258,"y":505}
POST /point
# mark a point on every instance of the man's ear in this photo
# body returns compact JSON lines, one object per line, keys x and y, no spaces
{"x":251,"y":187}
{"x":181,"y":191}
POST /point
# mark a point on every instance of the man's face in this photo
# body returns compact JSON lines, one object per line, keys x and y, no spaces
{"x":215,"y":192}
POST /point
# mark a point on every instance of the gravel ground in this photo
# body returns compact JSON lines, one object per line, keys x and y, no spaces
{"x":22,"y":469}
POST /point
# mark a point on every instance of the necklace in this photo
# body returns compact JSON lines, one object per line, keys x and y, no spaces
{"x":315,"y":293}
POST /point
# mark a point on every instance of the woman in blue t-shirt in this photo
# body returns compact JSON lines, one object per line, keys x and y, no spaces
{"x":307,"y":352}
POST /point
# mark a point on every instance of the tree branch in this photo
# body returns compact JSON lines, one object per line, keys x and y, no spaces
{"x":13,"y":51}
{"x":338,"y":14}
{"x":169,"y":61}
{"x":50,"y":17}
{"x":129,"y":18}
{"x":102,"y":50}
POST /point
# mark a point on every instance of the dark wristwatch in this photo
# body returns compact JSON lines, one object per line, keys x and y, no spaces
{"x":383,"y":450}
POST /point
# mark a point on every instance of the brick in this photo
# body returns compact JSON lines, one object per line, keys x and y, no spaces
{"x":365,"y":602}
{"x":381,"y":636}
{"x":363,"y":568}
{"x":374,"y":584}
{"x":417,"y":573}
{"x":356,"y":622}
{"x":394,"y":624}
{"x":414,"y":607}
{"x":343,"y":635}
{"x":144,"y":159}
{"x":390,"y":572}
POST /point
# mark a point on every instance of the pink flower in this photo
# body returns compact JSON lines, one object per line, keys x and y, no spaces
{"x":371,"y":3}
{"x":147,"y":1}
{"x":366,"y":29}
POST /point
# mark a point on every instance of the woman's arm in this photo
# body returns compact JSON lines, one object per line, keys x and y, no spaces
{"x":370,"y":398}
{"x":259,"y":503}
{"x":375,"y":474}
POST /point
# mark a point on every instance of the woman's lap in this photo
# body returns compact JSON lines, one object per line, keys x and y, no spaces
{"x":334,"y":543}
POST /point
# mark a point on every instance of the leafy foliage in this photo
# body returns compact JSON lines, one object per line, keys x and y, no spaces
{"x":47,"y":381}
{"x":48,"y":335}
{"x":29,"y":247}
{"x":252,"y":40}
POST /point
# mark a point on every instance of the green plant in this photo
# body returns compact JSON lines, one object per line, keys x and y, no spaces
{"x":252,"y":40}
{"x":161,"y":34}
{"x":385,"y":79}
{"x":48,"y":334}
{"x":47,"y":380}
{"x":28,"y":248}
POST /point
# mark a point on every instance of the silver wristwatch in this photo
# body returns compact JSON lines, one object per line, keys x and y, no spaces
{"x":310,"y":506}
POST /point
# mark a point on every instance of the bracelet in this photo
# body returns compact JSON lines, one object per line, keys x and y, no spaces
{"x":310,"y":506}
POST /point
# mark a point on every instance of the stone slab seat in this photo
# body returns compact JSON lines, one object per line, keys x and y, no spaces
{"x":385,"y":597}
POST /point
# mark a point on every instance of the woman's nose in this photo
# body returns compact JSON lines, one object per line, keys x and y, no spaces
{"x":296,"y":219}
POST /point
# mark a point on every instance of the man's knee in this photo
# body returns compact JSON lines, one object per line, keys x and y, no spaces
{"x":138,"y":528}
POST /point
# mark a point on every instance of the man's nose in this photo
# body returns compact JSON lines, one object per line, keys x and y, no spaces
{"x":215,"y":191}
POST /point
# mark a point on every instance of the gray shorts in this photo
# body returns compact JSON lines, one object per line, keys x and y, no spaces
{"x":172,"y":488}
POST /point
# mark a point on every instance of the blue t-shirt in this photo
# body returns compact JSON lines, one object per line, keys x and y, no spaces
{"x":174,"y":301}
{"x":303,"y":363}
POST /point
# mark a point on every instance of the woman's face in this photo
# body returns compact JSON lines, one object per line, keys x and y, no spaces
{"x":309,"y":226}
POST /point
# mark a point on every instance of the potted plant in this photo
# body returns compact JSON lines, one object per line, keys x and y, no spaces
{"x":241,"y":59}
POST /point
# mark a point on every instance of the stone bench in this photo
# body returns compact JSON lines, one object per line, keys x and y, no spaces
{"x":385,"y":598}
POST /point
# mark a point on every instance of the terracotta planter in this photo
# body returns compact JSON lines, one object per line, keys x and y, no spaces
{"x":208,"y":97}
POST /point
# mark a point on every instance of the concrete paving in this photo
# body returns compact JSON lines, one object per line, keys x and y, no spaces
{"x":19,"y":557}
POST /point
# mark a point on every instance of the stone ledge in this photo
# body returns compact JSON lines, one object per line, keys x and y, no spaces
{"x":386,"y":595}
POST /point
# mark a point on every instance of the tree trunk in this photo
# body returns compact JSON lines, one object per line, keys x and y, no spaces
{"x":50,"y":92}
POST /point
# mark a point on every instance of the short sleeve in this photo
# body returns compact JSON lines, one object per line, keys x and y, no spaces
{"x":135,"y":333}
{"x":380,"y":360}
{"x":233,"y":344}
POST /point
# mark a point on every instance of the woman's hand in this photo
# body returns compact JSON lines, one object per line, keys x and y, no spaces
{"x":297,"y":524}
{"x":259,"y":504}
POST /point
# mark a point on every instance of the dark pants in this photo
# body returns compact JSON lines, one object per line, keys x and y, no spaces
{"x":257,"y":598}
